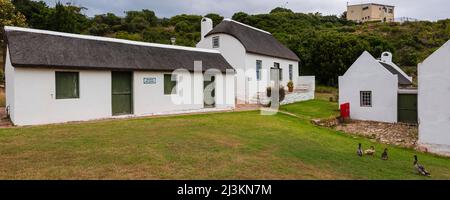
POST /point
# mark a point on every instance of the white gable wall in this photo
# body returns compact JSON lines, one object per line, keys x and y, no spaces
{"x":247,"y":86}
{"x":234,"y":53}
{"x":366,"y":74}
{"x":433,"y":101}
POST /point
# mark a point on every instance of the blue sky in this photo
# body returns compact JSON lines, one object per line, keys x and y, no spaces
{"x":420,"y":9}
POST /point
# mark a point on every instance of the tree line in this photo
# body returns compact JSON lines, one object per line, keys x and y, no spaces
{"x":326,"y":45}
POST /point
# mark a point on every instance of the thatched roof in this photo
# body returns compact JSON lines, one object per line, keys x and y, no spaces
{"x":47,"y":49}
{"x":254,"y":40}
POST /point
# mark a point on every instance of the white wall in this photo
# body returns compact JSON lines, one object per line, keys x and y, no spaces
{"x":234,"y":53}
{"x":244,"y":63}
{"x":31,"y":95}
{"x":35,"y":101}
{"x":366,"y":74}
{"x":433,"y":101}
{"x":308,"y":81}
{"x":256,"y":86}
{"x":9,"y":85}
{"x":149,"y":99}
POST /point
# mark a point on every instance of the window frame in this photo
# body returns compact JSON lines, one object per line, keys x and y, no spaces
{"x":214,"y":39}
{"x":364,"y":100}
{"x":61,"y":96}
{"x":291,"y":72}
{"x":175,"y":84}
{"x":258,"y":70}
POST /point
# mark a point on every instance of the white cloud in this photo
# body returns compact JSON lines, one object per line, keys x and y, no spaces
{"x":429,"y":10}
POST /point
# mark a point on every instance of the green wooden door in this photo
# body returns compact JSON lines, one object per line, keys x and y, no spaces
{"x":122,"y":93}
{"x":407,"y":108}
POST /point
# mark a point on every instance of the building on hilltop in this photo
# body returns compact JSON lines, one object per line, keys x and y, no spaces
{"x":370,"y":12}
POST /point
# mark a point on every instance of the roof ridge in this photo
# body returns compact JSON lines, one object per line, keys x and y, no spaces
{"x":246,"y":25}
{"x":107,"y":39}
{"x":396,"y":68}
{"x":376,"y":4}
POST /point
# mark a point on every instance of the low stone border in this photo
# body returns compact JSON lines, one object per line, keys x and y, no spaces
{"x":399,"y":134}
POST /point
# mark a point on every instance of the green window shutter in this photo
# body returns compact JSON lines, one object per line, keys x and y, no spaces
{"x":67,"y":85}
{"x":169,"y":85}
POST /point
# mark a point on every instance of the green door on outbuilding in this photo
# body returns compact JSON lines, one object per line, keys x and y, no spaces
{"x":407,"y":108}
{"x":122,"y":93}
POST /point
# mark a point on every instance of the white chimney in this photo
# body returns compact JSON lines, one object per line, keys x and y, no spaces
{"x":386,"y":57}
{"x":207,"y":26}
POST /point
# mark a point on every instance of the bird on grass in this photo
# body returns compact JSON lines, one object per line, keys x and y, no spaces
{"x":359,"y":152}
{"x":420,"y":168}
{"x":370,"y":152}
{"x":384,"y":155}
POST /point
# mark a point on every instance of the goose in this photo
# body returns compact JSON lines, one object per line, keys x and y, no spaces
{"x":359,"y":152}
{"x":385,"y":156}
{"x":370,"y":151}
{"x":420,"y":168}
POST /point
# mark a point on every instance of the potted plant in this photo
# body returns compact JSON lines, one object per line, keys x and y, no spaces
{"x":290,"y":86}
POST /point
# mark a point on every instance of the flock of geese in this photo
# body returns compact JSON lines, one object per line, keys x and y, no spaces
{"x":384,"y":156}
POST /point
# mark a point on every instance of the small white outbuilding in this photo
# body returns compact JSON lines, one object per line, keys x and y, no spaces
{"x":434,"y":106}
{"x":378,"y":90}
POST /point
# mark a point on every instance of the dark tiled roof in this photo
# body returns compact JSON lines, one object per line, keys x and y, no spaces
{"x":402,"y":80}
{"x":35,"y":49}
{"x":254,"y":41}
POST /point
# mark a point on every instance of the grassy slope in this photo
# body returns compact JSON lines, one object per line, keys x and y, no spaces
{"x":213,"y":146}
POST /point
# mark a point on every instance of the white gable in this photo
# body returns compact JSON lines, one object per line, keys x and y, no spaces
{"x":433,"y":97}
{"x":438,"y":62}
{"x":366,"y":64}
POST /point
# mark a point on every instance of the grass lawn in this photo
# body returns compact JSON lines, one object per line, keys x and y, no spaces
{"x":242,"y":145}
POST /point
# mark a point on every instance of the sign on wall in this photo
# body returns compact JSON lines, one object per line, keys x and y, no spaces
{"x":149,"y":80}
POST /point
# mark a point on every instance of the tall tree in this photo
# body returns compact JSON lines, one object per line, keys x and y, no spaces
{"x":280,"y":10}
{"x":9,"y":16}
{"x":67,"y":18}
{"x":216,"y":18}
{"x":36,"y":12}
{"x":137,"y":21}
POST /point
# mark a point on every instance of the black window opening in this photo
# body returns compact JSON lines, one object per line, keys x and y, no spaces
{"x":67,"y":85}
{"x":215,"y":42}
{"x":366,"y":98}
{"x":170,"y":84}
{"x":258,"y":69}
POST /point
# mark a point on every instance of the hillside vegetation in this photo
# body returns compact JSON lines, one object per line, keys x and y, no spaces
{"x":326,"y":45}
